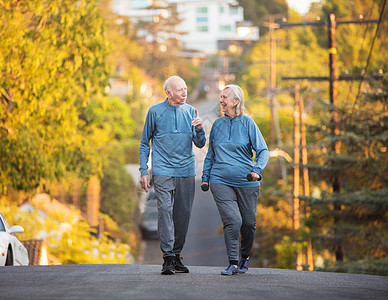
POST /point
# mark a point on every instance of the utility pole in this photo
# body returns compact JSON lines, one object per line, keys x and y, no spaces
{"x":296,"y":209}
{"x":275,"y":138}
{"x":306,"y":183}
{"x":333,"y":78}
{"x":339,"y":251}
{"x":272,"y":80}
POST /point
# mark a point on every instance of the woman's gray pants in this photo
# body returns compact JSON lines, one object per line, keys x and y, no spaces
{"x":237,"y":208}
{"x":175,"y":199}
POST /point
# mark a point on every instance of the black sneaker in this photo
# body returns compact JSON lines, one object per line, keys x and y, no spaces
{"x":179,"y":267}
{"x":168,"y":267}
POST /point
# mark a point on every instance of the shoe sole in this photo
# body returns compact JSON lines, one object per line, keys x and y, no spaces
{"x":168,"y":272}
{"x":180,"y":271}
{"x":227,"y":274}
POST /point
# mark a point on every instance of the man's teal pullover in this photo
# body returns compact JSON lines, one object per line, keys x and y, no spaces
{"x":169,"y":127}
{"x":229,"y":158}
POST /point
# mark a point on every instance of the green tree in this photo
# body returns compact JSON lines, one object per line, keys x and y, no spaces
{"x":360,"y":225}
{"x":350,"y":218}
{"x":52,"y":62}
{"x":110,"y":126}
{"x":162,"y":57}
{"x":259,"y":11}
{"x":302,"y":51}
{"x":354,"y":40}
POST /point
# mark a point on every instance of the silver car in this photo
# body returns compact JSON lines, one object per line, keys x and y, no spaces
{"x":149,"y":222}
{"x":12,"y":251}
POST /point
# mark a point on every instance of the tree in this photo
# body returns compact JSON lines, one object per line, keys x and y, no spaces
{"x":359,"y":224}
{"x":52,"y":61}
{"x":362,"y":167}
{"x":110,"y":128}
{"x":259,"y":11}
{"x":161,"y":40}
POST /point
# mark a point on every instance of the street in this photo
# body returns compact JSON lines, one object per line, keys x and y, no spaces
{"x":145,"y":282}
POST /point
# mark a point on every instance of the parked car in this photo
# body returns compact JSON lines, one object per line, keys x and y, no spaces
{"x":149,"y":222}
{"x":12,"y":251}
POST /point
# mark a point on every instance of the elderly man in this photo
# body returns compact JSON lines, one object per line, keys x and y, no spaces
{"x":172,"y":126}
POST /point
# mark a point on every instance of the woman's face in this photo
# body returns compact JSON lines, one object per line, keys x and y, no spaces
{"x":228,"y":103}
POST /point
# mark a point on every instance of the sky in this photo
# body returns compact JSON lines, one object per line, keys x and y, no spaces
{"x":301,"y":6}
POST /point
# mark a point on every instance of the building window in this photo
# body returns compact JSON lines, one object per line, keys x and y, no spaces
{"x":202,"y":10}
{"x":225,"y":28}
{"x":138,"y":4}
{"x":233,"y":10}
{"x":222,"y":9}
{"x":202,"y":29}
{"x":202,"y":19}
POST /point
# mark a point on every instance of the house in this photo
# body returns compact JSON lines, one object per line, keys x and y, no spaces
{"x":213,"y":25}
{"x":208,"y":25}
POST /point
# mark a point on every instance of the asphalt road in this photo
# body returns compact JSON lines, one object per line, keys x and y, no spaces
{"x":145,"y":282}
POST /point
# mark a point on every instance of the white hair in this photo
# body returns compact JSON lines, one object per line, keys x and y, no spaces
{"x":237,"y":93}
{"x":167,"y":84}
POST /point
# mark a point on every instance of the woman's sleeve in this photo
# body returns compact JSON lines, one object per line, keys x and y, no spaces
{"x":259,"y":145}
{"x":209,"y":160}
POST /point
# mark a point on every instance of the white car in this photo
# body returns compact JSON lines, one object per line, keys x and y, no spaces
{"x":12,"y":251}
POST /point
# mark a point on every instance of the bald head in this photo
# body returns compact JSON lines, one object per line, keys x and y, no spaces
{"x":171,"y":82}
{"x":176,"y":90}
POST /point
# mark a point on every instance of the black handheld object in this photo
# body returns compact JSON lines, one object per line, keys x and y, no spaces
{"x":250,"y":177}
{"x":205,"y":187}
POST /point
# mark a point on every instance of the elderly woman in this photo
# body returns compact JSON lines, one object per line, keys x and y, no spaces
{"x":233,"y":138}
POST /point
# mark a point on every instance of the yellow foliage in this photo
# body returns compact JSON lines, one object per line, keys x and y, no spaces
{"x":274,"y":218}
{"x":69,"y":239}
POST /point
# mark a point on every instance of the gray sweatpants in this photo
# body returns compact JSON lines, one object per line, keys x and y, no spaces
{"x":237,"y":208}
{"x":175,"y":199}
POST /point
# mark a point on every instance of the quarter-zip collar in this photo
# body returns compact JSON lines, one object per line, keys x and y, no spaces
{"x":169,"y":106}
{"x":233,"y":118}
{"x":174,"y":108}
{"x":230,"y":121}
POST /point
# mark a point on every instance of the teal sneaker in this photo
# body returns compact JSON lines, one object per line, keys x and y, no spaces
{"x":231,"y":270}
{"x":242,"y":266}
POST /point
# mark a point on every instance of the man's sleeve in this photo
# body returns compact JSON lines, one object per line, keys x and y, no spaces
{"x":199,"y":138}
{"x":144,"y":149}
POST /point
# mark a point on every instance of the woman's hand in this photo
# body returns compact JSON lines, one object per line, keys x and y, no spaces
{"x":204,"y":186}
{"x":253,"y":176}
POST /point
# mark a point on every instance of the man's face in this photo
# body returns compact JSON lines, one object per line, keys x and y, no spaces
{"x":179,"y":92}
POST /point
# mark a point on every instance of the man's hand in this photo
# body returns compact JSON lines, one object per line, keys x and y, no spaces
{"x":197,"y":121}
{"x":145,"y":182}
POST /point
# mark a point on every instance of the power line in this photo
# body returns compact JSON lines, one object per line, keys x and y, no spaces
{"x":370,"y":53}
{"x":361,"y":48}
